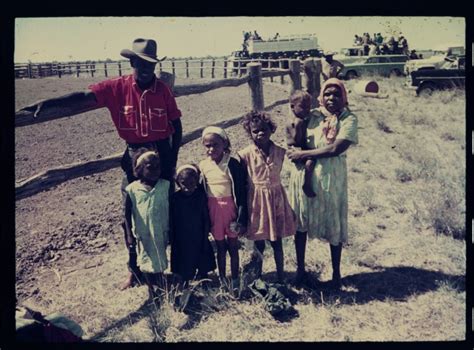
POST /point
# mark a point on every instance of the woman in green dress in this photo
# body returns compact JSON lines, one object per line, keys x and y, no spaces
{"x":330,"y":131}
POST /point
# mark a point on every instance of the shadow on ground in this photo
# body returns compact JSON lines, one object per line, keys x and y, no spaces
{"x":396,"y":283}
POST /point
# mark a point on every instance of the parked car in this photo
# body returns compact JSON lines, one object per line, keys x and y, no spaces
{"x":386,"y":65}
{"x":452,"y":74}
{"x":436,"y":60}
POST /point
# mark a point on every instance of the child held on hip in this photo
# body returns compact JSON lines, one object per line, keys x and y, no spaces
{"x":300,"y":105}
{"x":225,"y":184}
{"x":191,"y":250}
{"x":147,"y":215}
{"x":271,"y":217}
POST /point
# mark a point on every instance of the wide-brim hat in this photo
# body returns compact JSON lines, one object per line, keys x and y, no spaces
{"x":144,"y":49}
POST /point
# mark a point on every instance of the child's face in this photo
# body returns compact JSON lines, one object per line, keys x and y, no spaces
{"x":215,"y":146}
{"x":188,"y":183}
{"x":260,"y":133}
{"x":301,"y":107}
{"x":151,"y":169}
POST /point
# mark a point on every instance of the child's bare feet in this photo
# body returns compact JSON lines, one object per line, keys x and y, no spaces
{"x":308,"y":190}
{"x":128,"y":282}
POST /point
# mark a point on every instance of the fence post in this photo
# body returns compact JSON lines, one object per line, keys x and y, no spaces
{"x":161,"y":68}
{"x":29,"y":70}
{"x":202,"y":69}
{"x":59,"y":70}
{"x":295,"y":75}
{"x":225,"y":69}
{"x":120,"y":68}
{"x":317,"y":79}
{"x":256,"y":85}
{"x":270,"y":68}
{"x":240,"y":70}
{"x":105,"y":69}
{"x":78,"y":70}
{"x":187,"y":69}
{"x":282,"y":77}
{"x":167,"y":78}
{"x":173,"y":66}
{"x":92,"y":69}
{"x":212,"y":69}
{"x":309,"y":68}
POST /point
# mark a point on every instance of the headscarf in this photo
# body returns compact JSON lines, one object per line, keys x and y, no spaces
{"x":330,"y":120}
{"x":187,"y":166}
{"x":144,"y":155}
{"x":216,"y":130}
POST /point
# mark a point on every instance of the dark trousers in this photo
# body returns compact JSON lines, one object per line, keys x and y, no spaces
{"x":167,"y":163}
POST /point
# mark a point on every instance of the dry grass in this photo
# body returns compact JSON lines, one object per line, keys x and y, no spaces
{"x":403,"y":268}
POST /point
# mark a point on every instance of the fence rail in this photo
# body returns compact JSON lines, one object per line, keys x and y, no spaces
{"x":254,"y":78}
{"x":218,"y":67}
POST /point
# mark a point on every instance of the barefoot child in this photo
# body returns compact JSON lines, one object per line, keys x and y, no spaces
{"x":190,"y":227}
{"x":300,"y":105}
{"x":225,"y":183}
{"x":271,"y":217}
{"x":147,"y":215}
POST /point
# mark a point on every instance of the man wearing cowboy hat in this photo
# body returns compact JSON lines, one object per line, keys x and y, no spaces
{"x":143,"y":110}
{"x":330,"y":66}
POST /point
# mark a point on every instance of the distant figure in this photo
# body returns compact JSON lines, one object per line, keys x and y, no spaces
{"x":420,"y":56}
{"x":357,"y":40}
{"x":403,"y":44}
{"x":379,"y":39}
{"x":277,"y":35}
{"x":373,"y":49}
{"x":330,"y":66}
{"x":413,"y":55}
{"x":391,"y":44}
{"x":365,"y":43}
{"x":256,"y":36}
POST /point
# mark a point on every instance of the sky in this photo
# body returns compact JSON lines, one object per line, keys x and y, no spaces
{"x":93,"y":38}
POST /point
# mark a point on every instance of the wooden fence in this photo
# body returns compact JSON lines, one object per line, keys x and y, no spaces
{"x":311,"y":69}
{"x":201,"y":68}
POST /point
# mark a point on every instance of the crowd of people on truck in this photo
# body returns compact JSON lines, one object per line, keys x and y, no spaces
{"x":379,"y":45}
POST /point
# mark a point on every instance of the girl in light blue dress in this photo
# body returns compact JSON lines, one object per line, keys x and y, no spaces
{"x":147,"y":215}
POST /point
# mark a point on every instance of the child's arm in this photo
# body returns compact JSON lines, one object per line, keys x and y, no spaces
{"x":242,"y":186}
{"x":296,"y":132}
{"x":131,"y":242}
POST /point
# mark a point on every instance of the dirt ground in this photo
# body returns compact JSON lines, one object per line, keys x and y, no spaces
{"x":404,"y":271}
{"x":75,"y":223}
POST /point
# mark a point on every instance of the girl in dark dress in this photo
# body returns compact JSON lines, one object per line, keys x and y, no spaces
{"x":191,"y":250}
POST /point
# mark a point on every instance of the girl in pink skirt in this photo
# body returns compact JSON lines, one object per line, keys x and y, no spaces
{"x":271,"y":217}
{"x":225,"y":184}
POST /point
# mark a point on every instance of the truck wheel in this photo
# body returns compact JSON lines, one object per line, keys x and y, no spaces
{"x":352,"y":74}
{"x":426,"y":89}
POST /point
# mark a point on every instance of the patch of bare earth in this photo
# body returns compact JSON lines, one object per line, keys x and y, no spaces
{"x":403,"y":268}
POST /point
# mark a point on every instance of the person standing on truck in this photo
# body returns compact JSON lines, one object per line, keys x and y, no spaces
{"x":330,"y":66}
{"x":144,"y":112}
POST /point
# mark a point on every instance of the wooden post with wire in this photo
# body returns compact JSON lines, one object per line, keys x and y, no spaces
{"x":256,"y":85}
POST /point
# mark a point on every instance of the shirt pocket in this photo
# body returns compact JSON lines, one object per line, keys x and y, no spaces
{"x":128,"y":118}
{"x":158,"y":119}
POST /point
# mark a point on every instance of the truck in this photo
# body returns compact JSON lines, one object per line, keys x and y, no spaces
{"x":294,"y":46}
